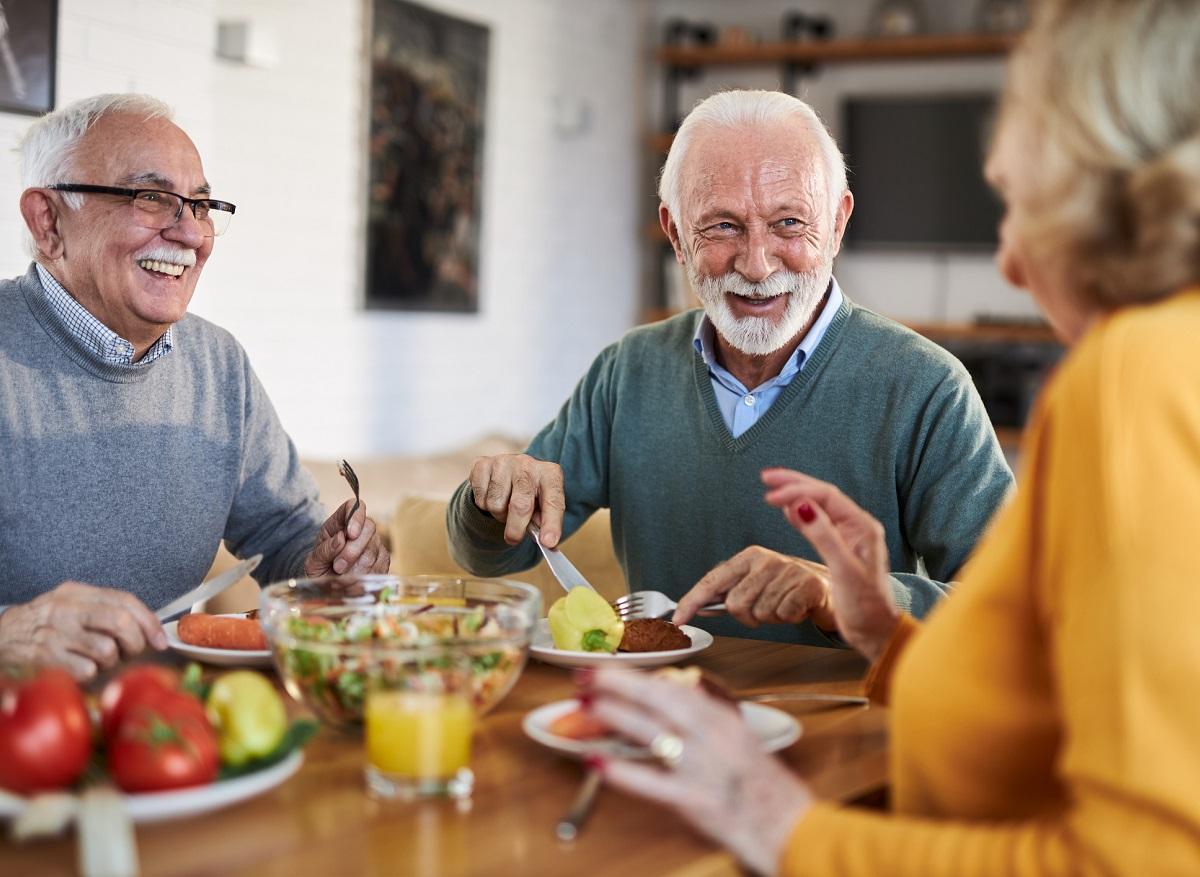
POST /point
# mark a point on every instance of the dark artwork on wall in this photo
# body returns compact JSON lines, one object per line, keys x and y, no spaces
{"x":428,"y":81}
{"x":28,"y":33}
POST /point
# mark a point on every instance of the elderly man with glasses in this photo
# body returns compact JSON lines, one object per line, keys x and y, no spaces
{"x":135,"y":436}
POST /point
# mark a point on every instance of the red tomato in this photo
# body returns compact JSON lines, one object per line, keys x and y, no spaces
{"x":130,"y":687}
{"x":45,"y":736}
{"x":163,"y":741}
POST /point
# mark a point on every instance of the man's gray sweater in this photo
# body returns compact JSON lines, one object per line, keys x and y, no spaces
{"x":130,"y":476}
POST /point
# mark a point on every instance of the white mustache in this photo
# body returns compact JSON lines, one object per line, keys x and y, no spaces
{"x":172,"y":255}
{"x":779,"y":283}
{"x":758,"y":336}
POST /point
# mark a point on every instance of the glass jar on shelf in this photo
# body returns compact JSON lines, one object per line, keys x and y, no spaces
{"x":897,"y":18}
{"x":1002,"y":16}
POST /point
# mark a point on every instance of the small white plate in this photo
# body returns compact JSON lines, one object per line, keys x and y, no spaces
{"x":146,"y":807}
{"x":217,"y":657}
{"x":775,"y":728}
{"x":543,"y":649}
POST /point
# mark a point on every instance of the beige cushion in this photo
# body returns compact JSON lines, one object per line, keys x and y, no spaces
{"x":419,"y":546}
{"x":384,"y":480}
{"x":239,"y":597}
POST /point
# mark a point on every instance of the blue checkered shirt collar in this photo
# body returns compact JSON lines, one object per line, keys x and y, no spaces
{"x":103,"y":341}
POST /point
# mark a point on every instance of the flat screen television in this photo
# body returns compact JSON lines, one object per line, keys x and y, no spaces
{"x":916,"y":170}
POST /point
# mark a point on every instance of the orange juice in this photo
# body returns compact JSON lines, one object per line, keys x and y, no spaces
{"x":418,"y":734}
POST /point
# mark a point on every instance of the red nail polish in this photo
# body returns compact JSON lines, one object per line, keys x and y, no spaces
{"x":806,"y":513}
{"x":594,"y":762}
{"x":584,"y":677}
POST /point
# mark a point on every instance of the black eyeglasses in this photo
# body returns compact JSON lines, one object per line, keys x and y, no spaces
{"x":161,"y":209}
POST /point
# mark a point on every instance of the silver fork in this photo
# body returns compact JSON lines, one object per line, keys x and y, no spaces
{"x":656,"y":604}
{"x":346,"y":472}
{"x":627,"y":607}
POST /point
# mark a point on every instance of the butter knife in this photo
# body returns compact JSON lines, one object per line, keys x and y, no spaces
{"x":211,"y":588}
{"x":566,"y":573}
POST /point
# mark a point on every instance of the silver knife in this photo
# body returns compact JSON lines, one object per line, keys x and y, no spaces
{"x":814,"y":696}
{"x":211,"y":588}
{"x":567,"y":828}
{"x":566,"y":573}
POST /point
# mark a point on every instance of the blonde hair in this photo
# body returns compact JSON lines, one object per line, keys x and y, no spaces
{"x":1108,"y":91}
{"x":747,"y":108}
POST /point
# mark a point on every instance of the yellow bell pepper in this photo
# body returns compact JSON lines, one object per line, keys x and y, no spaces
{"x":248,"y":714}
{"x":582,"y":621}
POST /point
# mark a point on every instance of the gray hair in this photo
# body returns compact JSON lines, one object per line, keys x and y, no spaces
{"x":744,"y":108}
{"x":48,"y":147}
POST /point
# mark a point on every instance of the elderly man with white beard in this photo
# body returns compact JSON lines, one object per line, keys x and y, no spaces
{"x":673,"y":425}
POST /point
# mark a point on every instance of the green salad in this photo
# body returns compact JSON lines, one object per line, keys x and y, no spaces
{"x":331,"y":660}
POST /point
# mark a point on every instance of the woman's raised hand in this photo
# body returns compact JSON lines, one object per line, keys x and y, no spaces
{"x":851,"y":544}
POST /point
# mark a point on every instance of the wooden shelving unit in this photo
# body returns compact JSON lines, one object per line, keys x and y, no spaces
{"x":1004,"y":333}
{"x":925,"y":47}
{"x":795,"y":55}
{"x":660,"y":142}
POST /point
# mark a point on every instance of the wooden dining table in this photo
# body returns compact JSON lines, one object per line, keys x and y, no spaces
{"x":322,"y":820}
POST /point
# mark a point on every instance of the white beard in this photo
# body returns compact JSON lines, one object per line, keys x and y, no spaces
{"x":759,"y":336}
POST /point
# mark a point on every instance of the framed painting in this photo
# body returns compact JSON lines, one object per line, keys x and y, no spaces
{"x":28,"y":40}
{"x":428,"y":75}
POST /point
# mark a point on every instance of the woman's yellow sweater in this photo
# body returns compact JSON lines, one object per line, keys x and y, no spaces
{"x":1046,"y":719}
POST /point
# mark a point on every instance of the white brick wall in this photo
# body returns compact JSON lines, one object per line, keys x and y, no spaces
{"x":560,"y":245}
{"x":158,"y":46}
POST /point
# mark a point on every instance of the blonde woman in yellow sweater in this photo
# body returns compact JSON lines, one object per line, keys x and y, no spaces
{"x":1046,"y":719}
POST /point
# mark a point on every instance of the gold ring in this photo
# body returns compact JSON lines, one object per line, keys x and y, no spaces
{"x":667,"y":748}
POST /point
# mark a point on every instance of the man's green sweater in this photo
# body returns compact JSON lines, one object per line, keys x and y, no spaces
{"x":889,"y":417}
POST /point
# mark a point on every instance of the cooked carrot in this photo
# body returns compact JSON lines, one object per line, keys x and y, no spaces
{"x":578,"y":725}
{"x":221,"y":632}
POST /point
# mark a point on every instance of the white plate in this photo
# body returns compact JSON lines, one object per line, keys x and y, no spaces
{"x":217,"y":657}
{"x":146,"y":807}
{"x":543,"y":649}
{"x":775,"y":728}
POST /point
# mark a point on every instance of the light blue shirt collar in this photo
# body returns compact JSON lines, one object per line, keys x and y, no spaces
{"x":742,"y":408}
{"x":705,"y":342}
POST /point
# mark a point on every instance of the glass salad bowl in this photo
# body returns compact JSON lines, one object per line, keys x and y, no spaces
{"x":333,"y":637}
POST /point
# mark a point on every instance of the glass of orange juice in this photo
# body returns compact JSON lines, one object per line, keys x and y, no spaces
{"x":419,"y":721}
